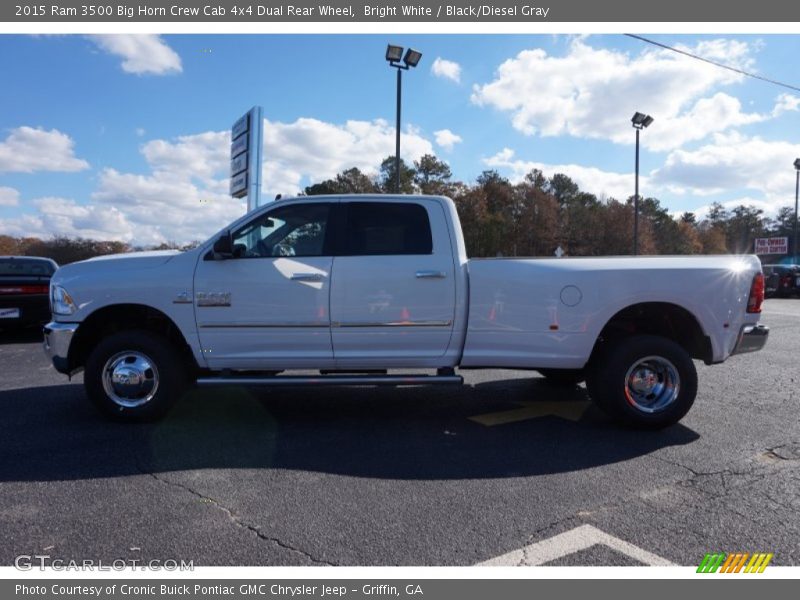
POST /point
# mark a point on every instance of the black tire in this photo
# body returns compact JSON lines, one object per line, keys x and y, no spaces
{"x":563,"y":377}
{"x":155,"y":391}
{"x":671,"y":380}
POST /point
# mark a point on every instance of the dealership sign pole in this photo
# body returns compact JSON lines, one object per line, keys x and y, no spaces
{"x":247,"y":138}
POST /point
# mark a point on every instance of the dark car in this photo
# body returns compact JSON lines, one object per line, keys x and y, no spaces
{"x":24,"y":289}
{"x":781,"y":280}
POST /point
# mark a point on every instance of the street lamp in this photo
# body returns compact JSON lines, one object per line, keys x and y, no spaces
{"x":411,"y":59}
{"x":639,"y":121}
{"x":796,"y":193}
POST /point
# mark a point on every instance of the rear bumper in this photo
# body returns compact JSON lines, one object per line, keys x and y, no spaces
{"x":57,"y":339}
{"x":31,"y":310}
{"x":752,"y":338}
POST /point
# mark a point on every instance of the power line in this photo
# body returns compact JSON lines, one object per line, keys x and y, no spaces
{"x":716,"y":64}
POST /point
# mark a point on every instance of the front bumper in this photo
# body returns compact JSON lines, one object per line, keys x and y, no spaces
{"x":57,"y":338}
{"x":751,"y":339}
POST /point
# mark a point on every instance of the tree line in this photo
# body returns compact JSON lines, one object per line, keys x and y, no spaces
{"x":529,"y":218}
{"x":540,"y":214}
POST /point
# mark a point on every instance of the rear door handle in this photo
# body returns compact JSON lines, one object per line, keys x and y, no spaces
{"x":431,"y":274}
{"x":307,"y":277}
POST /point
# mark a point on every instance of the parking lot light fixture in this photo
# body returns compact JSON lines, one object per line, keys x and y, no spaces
{"x":394,"y":54}
{"x":412,"y":58}
{"x":639,"y":122}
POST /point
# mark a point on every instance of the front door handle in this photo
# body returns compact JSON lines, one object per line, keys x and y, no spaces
{"x":431,"y":274}
{"x":307,"y":277}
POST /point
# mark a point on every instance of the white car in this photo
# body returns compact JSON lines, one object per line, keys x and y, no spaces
{"x":352,"y":286}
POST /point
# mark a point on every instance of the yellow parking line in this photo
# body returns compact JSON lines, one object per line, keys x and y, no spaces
{"x":570,"y":410}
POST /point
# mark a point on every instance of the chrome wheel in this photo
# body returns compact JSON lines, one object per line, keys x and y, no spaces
{"x":130,"y":379}
{"x":652,"y":384}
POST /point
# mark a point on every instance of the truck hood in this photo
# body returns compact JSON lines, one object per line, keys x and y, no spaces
{"x":118,"y":262}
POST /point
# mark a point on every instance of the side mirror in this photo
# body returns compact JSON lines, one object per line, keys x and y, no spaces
{"x":223,"y":246}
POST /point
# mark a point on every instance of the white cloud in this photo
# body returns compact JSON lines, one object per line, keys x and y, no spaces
{"x":202,"y":156}
{"x":165,"y":207}
{"x":447,"y":69}
{"x":733,"y":162}
{"x":184,"y":196}
{"x":592,"y":92}
{"x":63,"y":216}
{"x":786,"y":103}
{"x":603,"y":184}
{"x":447,"y":139}
{"x":140,"y":131}
{"x":141,"y":53}
{"x":770,"y":208}
{"x":8,"y":196}
{"x":27,"y":150}
{"x":313,"y":150}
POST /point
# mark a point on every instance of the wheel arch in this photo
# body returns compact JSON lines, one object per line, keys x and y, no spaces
{"x":664,"y":319}
{"x":121,"y":317}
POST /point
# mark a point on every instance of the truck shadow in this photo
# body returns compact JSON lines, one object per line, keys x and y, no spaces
{"x":51,"y":433}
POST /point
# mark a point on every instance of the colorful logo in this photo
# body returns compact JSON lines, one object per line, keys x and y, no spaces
{"x":734,"y":563}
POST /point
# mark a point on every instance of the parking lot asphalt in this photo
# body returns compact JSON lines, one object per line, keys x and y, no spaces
{"x":507,"y":469}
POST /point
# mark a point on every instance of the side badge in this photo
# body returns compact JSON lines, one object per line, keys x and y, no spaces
{"x":213,"y":299}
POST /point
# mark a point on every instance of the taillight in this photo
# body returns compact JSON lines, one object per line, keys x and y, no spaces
{"x":756,"y":298}
{"x":23,"y":289}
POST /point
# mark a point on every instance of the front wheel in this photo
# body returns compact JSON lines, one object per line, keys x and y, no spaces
{"x":645,"y":381}
{"x":134,"y":376}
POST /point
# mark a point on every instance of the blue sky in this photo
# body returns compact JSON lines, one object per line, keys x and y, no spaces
{"x":125,"y":136}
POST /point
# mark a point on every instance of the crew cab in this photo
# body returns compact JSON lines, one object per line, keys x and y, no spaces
{"x":351,"y":287}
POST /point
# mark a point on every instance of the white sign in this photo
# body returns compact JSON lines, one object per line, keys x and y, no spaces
{"x":776,"y":245}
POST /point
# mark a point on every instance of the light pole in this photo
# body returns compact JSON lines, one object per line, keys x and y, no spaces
{"x":639,"y":122}
{"x":411,"y":59}
{"x":796,"y":193}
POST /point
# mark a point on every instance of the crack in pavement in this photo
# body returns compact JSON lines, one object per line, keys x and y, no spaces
{"x":236,"y":519}
{"x":776,"y":453}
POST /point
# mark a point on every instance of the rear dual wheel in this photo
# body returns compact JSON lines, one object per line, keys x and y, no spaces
{"x":645,"y":381}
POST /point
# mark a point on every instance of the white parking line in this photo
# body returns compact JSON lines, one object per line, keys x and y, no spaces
{"x":781,"y":313}
{"x":570,"y":542}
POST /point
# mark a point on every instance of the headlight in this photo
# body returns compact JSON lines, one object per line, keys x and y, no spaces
{"x":61,"y":303}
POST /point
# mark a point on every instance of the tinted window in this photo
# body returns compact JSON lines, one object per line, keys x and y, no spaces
{"x":292,"y":230}
{"x":381,"y":228}
{"x":26,"y":266}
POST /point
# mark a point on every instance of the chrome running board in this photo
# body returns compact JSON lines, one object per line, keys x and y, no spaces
{"x":331,"y":380}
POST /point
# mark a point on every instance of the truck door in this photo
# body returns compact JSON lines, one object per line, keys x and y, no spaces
{"x":267,"y":307}
{"x":393,"y":289}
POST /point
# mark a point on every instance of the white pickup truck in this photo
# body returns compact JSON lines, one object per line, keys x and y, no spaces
{"x":351,"y":287}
